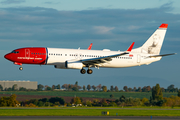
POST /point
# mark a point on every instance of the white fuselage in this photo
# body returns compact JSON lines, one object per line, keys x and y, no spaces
{"x":57,"y":56}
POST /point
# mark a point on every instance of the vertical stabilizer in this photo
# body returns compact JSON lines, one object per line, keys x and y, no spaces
{"x":154,"y":43}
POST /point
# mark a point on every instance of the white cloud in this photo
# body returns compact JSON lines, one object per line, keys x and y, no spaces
{"x":12,"y":1}
{"x":133,"y":27}
{"x":103,"y":29}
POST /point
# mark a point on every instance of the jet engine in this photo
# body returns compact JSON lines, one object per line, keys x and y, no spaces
{"x":73,"y":65}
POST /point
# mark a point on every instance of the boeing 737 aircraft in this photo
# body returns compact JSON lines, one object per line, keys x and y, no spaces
{"x":79,"y":59}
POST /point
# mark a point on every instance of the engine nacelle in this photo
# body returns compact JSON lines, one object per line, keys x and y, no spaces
{"x":73,"y":65}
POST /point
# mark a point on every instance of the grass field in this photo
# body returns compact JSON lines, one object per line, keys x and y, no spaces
{"x":89,"y":112}
{"x":88,"y":94}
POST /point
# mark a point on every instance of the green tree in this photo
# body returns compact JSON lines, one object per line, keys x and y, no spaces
{"x":40,"y":87}
{"x":170,"y":88}
{"x":112,"y":88}
{"x":179,"y":93}
{"x":48,"y":88}
{"x":94,"y":87}
{"x":22,"y":89}
{"x":104,"y":102}
{"x":104,"y":88}
{"x":69,"y":87}
{"x":1,"y":87}
{"x":15,"y":87}
{"x":125,"y":88}
{"x":76,"y":83}
{"x":88,"y":103}
{"x":8,"y":89}
{"x":157,"y":93}
{"x":76,"y":100}
{"x":9,"y":101}
{"x":84,"y":87}
{"x":122,"y":98}
{"x":129,"y":89}
{"x":58,"y":86}
{"x":53,"y":87}
{"x":88,"y":87}
{"x":75,"y":88}
{"x":111,"y":95}
{"x":116,"y":89}
{"x":139,"y":89}
{"x":56,"y":99}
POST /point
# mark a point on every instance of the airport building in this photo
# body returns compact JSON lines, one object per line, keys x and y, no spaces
{"x":25,"y":84}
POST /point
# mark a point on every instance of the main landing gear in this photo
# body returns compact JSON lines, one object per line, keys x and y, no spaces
{"x":83,"y":71}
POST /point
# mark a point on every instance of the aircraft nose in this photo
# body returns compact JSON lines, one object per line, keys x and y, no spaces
{"x":7,"y":56}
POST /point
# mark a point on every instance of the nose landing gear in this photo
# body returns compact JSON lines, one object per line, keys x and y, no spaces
{"x":21,"y":68}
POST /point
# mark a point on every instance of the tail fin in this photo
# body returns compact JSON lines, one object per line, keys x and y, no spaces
{"x":154,"y":43}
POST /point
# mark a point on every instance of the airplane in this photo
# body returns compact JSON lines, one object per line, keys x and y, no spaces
{"x":80,"y":58}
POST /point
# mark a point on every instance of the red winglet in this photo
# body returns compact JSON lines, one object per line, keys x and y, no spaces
{"x":163,"y":25}
{"x":130,"y":47}
{"x":89,"y":48}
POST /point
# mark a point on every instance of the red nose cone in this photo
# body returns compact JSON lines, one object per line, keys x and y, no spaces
{"x":7,"y":56}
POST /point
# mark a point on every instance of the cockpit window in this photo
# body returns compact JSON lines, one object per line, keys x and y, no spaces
{"x":15,"y":52}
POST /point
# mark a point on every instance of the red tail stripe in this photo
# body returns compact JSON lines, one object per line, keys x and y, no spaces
{"x":163,"y":25}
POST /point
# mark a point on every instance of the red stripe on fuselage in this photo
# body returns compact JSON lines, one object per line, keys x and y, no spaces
{"x":29,"y":55}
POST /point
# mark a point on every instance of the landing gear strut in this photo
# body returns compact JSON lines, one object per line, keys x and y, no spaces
{"x":21,"y":68}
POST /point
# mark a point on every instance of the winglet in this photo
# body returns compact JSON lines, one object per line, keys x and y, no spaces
{"x":130,"y":47}
{"x":89,"y":48}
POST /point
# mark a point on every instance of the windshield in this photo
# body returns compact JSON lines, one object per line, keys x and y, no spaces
{"x":15,"y":52}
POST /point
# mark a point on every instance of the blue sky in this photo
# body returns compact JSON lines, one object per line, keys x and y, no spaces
{"x":107,"y":24}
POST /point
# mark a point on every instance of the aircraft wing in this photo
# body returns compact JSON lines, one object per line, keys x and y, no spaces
{"x":105,"y":59}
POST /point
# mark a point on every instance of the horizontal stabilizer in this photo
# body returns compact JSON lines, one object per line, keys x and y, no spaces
{"x":162,"y":55}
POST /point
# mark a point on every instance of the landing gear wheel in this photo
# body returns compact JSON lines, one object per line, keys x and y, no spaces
{"x":20,"y":68}
{"x":83,"y":71}
{"x":89,"y":71}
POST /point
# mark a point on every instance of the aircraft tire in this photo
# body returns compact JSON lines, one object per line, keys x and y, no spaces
{"x":20,"y":68}
{"x":89,"y":71}
{"x":83,"y":71}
